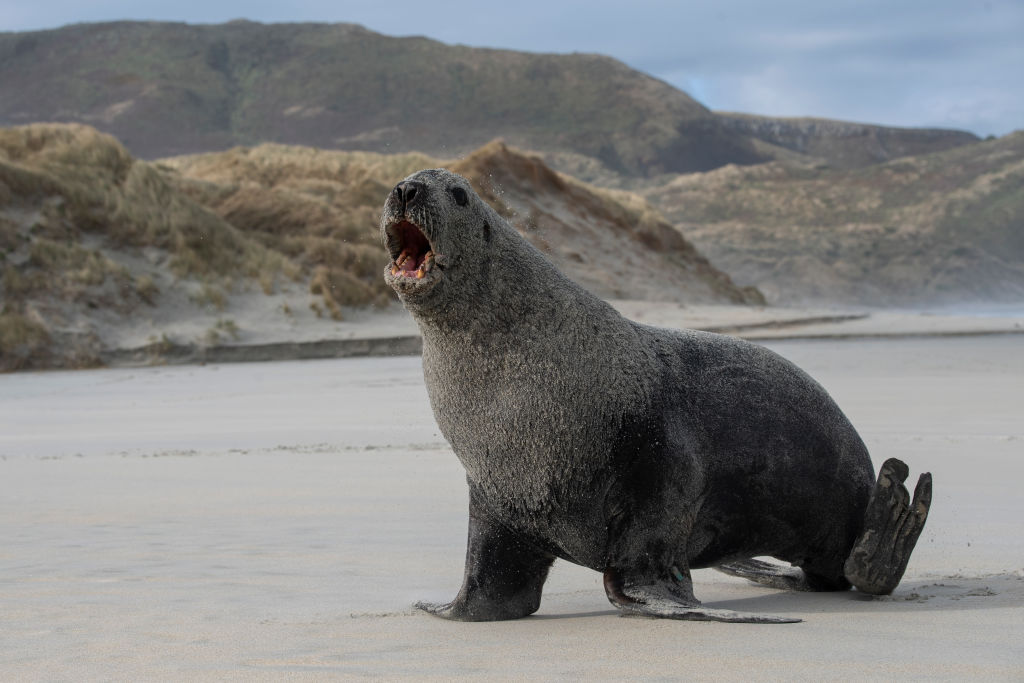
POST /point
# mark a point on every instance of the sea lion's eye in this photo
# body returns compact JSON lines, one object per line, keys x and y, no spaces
{"x":461,"y":198}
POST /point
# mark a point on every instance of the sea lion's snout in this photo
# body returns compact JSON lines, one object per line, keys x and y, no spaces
{"x":412,"y":255}
{"x":430,"y":209}
{"x":407,"y":192}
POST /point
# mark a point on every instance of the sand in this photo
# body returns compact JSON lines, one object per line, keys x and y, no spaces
{"x":276,"y":521}
{"x":258,"y":327}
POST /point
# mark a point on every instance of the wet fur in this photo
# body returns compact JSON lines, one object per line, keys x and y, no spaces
{"x":632,"y":450}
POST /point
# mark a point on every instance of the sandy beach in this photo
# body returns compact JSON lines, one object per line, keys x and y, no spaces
{"x":276,"y":521}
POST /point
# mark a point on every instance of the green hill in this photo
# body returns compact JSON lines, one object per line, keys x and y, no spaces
{"x":166,"y":89}
{"x":840,"y":143}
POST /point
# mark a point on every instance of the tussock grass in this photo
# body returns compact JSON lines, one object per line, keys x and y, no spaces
{"x":500,"y":172}
{"x":935,"y":228}
{"x":70,"y":195}
{"x":319,"y":208}
{"x":24,"y":342}
{"x":71,"y":198}
{"x":88,"y":184}
{"x":73,"y":202}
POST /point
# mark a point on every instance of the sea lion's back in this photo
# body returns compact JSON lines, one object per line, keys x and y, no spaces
{"x":769,"y":438}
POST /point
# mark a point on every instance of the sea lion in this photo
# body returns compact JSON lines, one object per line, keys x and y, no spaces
{"x":639,"y":452}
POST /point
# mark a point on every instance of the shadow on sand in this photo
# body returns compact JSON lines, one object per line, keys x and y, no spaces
{"x":992,"y":591}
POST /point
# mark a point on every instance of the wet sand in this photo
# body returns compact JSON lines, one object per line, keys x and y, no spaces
{"x":278,"y":520}
{"x":177,"y":336}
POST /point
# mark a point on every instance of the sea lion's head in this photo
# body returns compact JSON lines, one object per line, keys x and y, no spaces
{"x":437,"y":232}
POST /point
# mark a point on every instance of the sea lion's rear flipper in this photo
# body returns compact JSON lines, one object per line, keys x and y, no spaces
{"x":672,"y":598}
{"x":768,"y":574}
{"x":892,"y":524}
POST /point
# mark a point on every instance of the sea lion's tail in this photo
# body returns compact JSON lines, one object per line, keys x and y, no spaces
{"x":892,"y":524}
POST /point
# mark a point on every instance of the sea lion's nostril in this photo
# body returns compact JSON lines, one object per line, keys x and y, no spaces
{"x":406,"y":191}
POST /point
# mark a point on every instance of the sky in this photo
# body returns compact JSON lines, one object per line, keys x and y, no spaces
{"x":941,"y":63}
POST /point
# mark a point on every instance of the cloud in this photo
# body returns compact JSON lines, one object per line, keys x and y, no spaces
{"x":910,"y":65}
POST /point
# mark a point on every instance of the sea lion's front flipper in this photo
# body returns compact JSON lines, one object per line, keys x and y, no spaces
{"x":672,"y":597}
{"x":504,"y":574}
{"x":892,"y":524}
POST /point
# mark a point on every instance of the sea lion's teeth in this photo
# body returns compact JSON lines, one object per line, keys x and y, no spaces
{"x":394,"y":270}
{"x":402,"y":258}
{"x":420,"y":273}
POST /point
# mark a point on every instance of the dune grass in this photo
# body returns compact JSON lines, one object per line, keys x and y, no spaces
{"x":69,"y":196}
{"x":86,"y":183}
{"x":75,"y":207}
{"x":72,"y":200}
{"x":24,"y":342}
{"x":317,"y":208}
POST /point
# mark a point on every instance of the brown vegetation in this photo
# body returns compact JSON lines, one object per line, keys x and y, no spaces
{"x":320,"y":209}
{"x":78,"y":215}
{"x":317,"y":208}
{"x":71,"y":198}
{"x":24,"y":342}
{"x":612,"y":242}
{"x":943,"y":228}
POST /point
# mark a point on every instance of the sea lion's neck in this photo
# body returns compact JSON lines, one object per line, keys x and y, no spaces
{"x":517,"y":295}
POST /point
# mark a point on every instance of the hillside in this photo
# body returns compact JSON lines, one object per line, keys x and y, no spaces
{"x":90,"y":236}
{"x":842,"y":144}
{"x":169,"y":89}
{"x":99,"y":250}
{"x":611,"y":242}
{"x":943,"y":228}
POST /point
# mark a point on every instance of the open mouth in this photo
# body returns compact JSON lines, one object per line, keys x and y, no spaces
{"x":412,"y":255}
